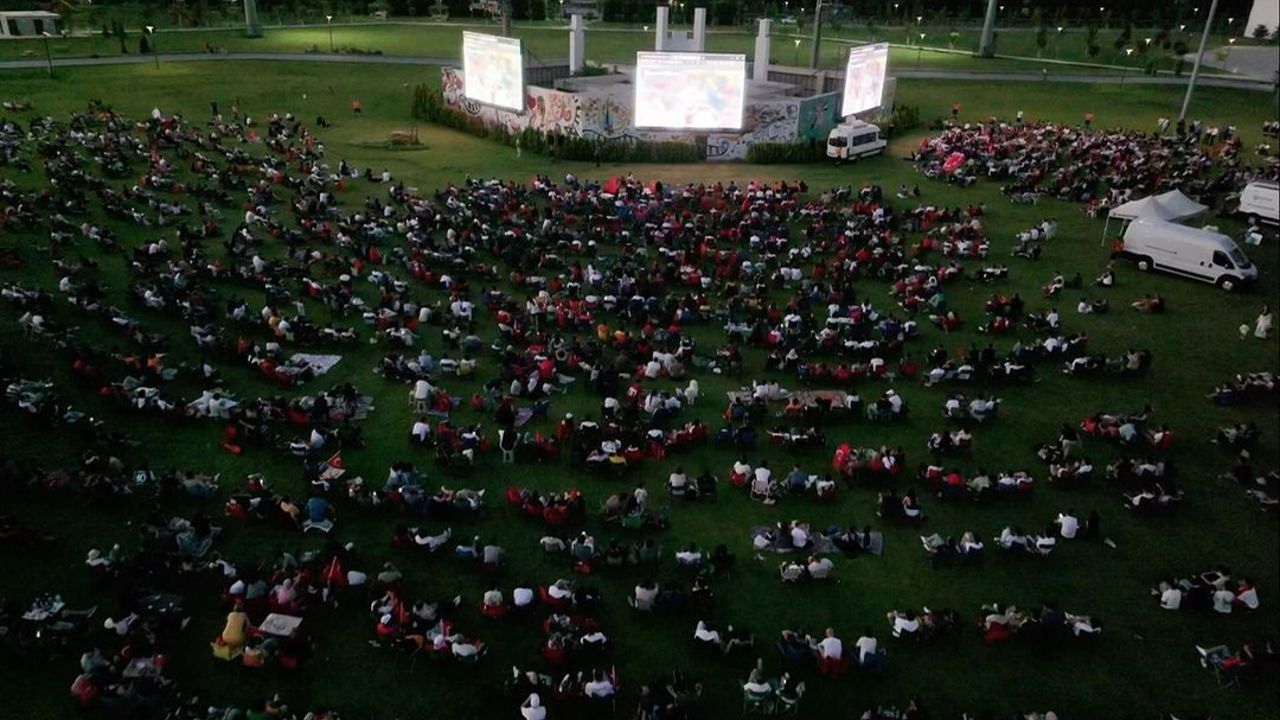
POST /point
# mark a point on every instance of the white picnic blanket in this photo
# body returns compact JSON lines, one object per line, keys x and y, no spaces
{"x":319,"y":364}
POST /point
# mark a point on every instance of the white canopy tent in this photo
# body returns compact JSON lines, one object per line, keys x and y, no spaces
{"x":1169,"y":207}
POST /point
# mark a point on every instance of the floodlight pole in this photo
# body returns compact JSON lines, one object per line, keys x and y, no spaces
{"x":506,"y":18}
{"x":987,"y":48}
{"x":1195,"y":69}
{"x":151,"y":39}
{"x":48,"y":55}
{"x":816,"y":50}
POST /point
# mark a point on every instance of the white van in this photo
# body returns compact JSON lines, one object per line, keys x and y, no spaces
{"x":1260,"y":200}
{"x":854,"y":139}
{"x":1197,"y":253}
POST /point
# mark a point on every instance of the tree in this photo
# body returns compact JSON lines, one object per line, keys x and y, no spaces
{"x":872,"y":29}
{"x":1093,"y":49}
{"x":952,"y":38}
{"x":1261,"y":32}
{"x":1042,"y":40}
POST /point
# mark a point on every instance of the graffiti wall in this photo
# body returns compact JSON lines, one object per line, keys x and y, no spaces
{"x":546,"y":109}
{"x":609,"y":117}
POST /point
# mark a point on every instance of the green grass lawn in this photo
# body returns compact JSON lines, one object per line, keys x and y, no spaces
{"x":1144,"y":663}
{"x":610,"y":44}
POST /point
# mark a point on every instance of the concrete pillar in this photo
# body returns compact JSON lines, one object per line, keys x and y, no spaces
{"x":988,"y":48}
{"x":252,"y":28}
{"x":699,"y":29}
{"x":577,"y":44}
{"x":660,"y":28}
{"x":760,"y":61}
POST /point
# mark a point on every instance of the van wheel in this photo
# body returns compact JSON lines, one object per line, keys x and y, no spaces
{"x":1228,"y":283}
{"x":1144,"y":264}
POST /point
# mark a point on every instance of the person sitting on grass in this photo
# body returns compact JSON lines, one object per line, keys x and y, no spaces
{"x":1149,"y":304}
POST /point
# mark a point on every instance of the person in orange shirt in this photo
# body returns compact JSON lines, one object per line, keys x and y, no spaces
{"x":356,"y":107}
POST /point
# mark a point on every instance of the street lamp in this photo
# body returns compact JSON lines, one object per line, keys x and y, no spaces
{"x":795,"y":59}
{"x":47,"y":54}
{"x":151,"y":40}
{"x":328,"y":20}
{"x":919,"y":51}
{"x":1057,"y":41}
{"x":1231,"y":42}
{"x":1128,"y":52}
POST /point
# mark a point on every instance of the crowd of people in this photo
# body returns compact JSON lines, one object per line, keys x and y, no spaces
{"x":625,"y":290}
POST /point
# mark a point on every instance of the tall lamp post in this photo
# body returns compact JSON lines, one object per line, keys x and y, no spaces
{"x":1195,"y":69}
{"x":919,"y":51}
{"x":151,"y":41}
{"x":795,"y":57}
{"x":328,"y":20}
{"x":1128,"y":52}
{"x":1057,"y":41}
{"x":48,"y":55}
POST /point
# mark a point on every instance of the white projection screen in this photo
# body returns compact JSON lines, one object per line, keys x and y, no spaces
{"x":864,"y":78}
{"x":690,"y":91}
{"x":493,"y":70}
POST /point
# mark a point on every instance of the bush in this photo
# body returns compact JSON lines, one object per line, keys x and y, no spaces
{"x":427,"y":105}
{"x":904,"y":118}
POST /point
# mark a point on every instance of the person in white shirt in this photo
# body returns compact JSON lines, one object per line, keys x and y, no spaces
{"x":704,"y":634}
{"x":820,"y":568}
{"x":645,"y":593}
{"x":903,"y":623}
{"x":1170,"y":596}
{"x":1247,"y":594}
{"x":830,"y":647}
{"x":531,"y":708}
{"x":1068,"y":524}
{"x":678,"y":481}
{"x":799,"y":535}
{"x":421,"y":431}
{"x":690,"y":556}
{"x":867,"y":645}
{"x":522,"y":596}
{"x":560,"y":590}
{"x":756,"y":685}
{"x":598,"y":687}
{"x":1223,"y":601}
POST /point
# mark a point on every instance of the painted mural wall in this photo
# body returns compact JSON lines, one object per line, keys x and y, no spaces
{"x":610,"y":117}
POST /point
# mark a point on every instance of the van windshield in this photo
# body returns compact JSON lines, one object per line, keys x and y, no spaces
{"x":837,"y":141}
{"x":1238,"y":258}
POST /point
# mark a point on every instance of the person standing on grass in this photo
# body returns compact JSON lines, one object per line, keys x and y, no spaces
{"x":1262,"y":326}
{"x":356,"y":107}
{"x":519,"y":149}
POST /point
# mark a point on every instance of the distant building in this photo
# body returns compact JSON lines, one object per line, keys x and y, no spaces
{"x":29,"y":23}
{"x":1265,"y":12}
{"x":588,"y":9}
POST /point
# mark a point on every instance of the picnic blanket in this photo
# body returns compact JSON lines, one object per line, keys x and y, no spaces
{"x":837,"y":398}
{"x":768,"y":537}
{"x":319,"y":364}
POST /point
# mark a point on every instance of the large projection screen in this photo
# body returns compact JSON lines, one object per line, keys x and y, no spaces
{"x":493,"y":70}
{"x":864,"y":78}
{"x":690,"y":91}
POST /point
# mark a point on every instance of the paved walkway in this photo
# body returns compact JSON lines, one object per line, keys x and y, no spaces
{"x":1244,"y":83}
{"x":1253,"y":61}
